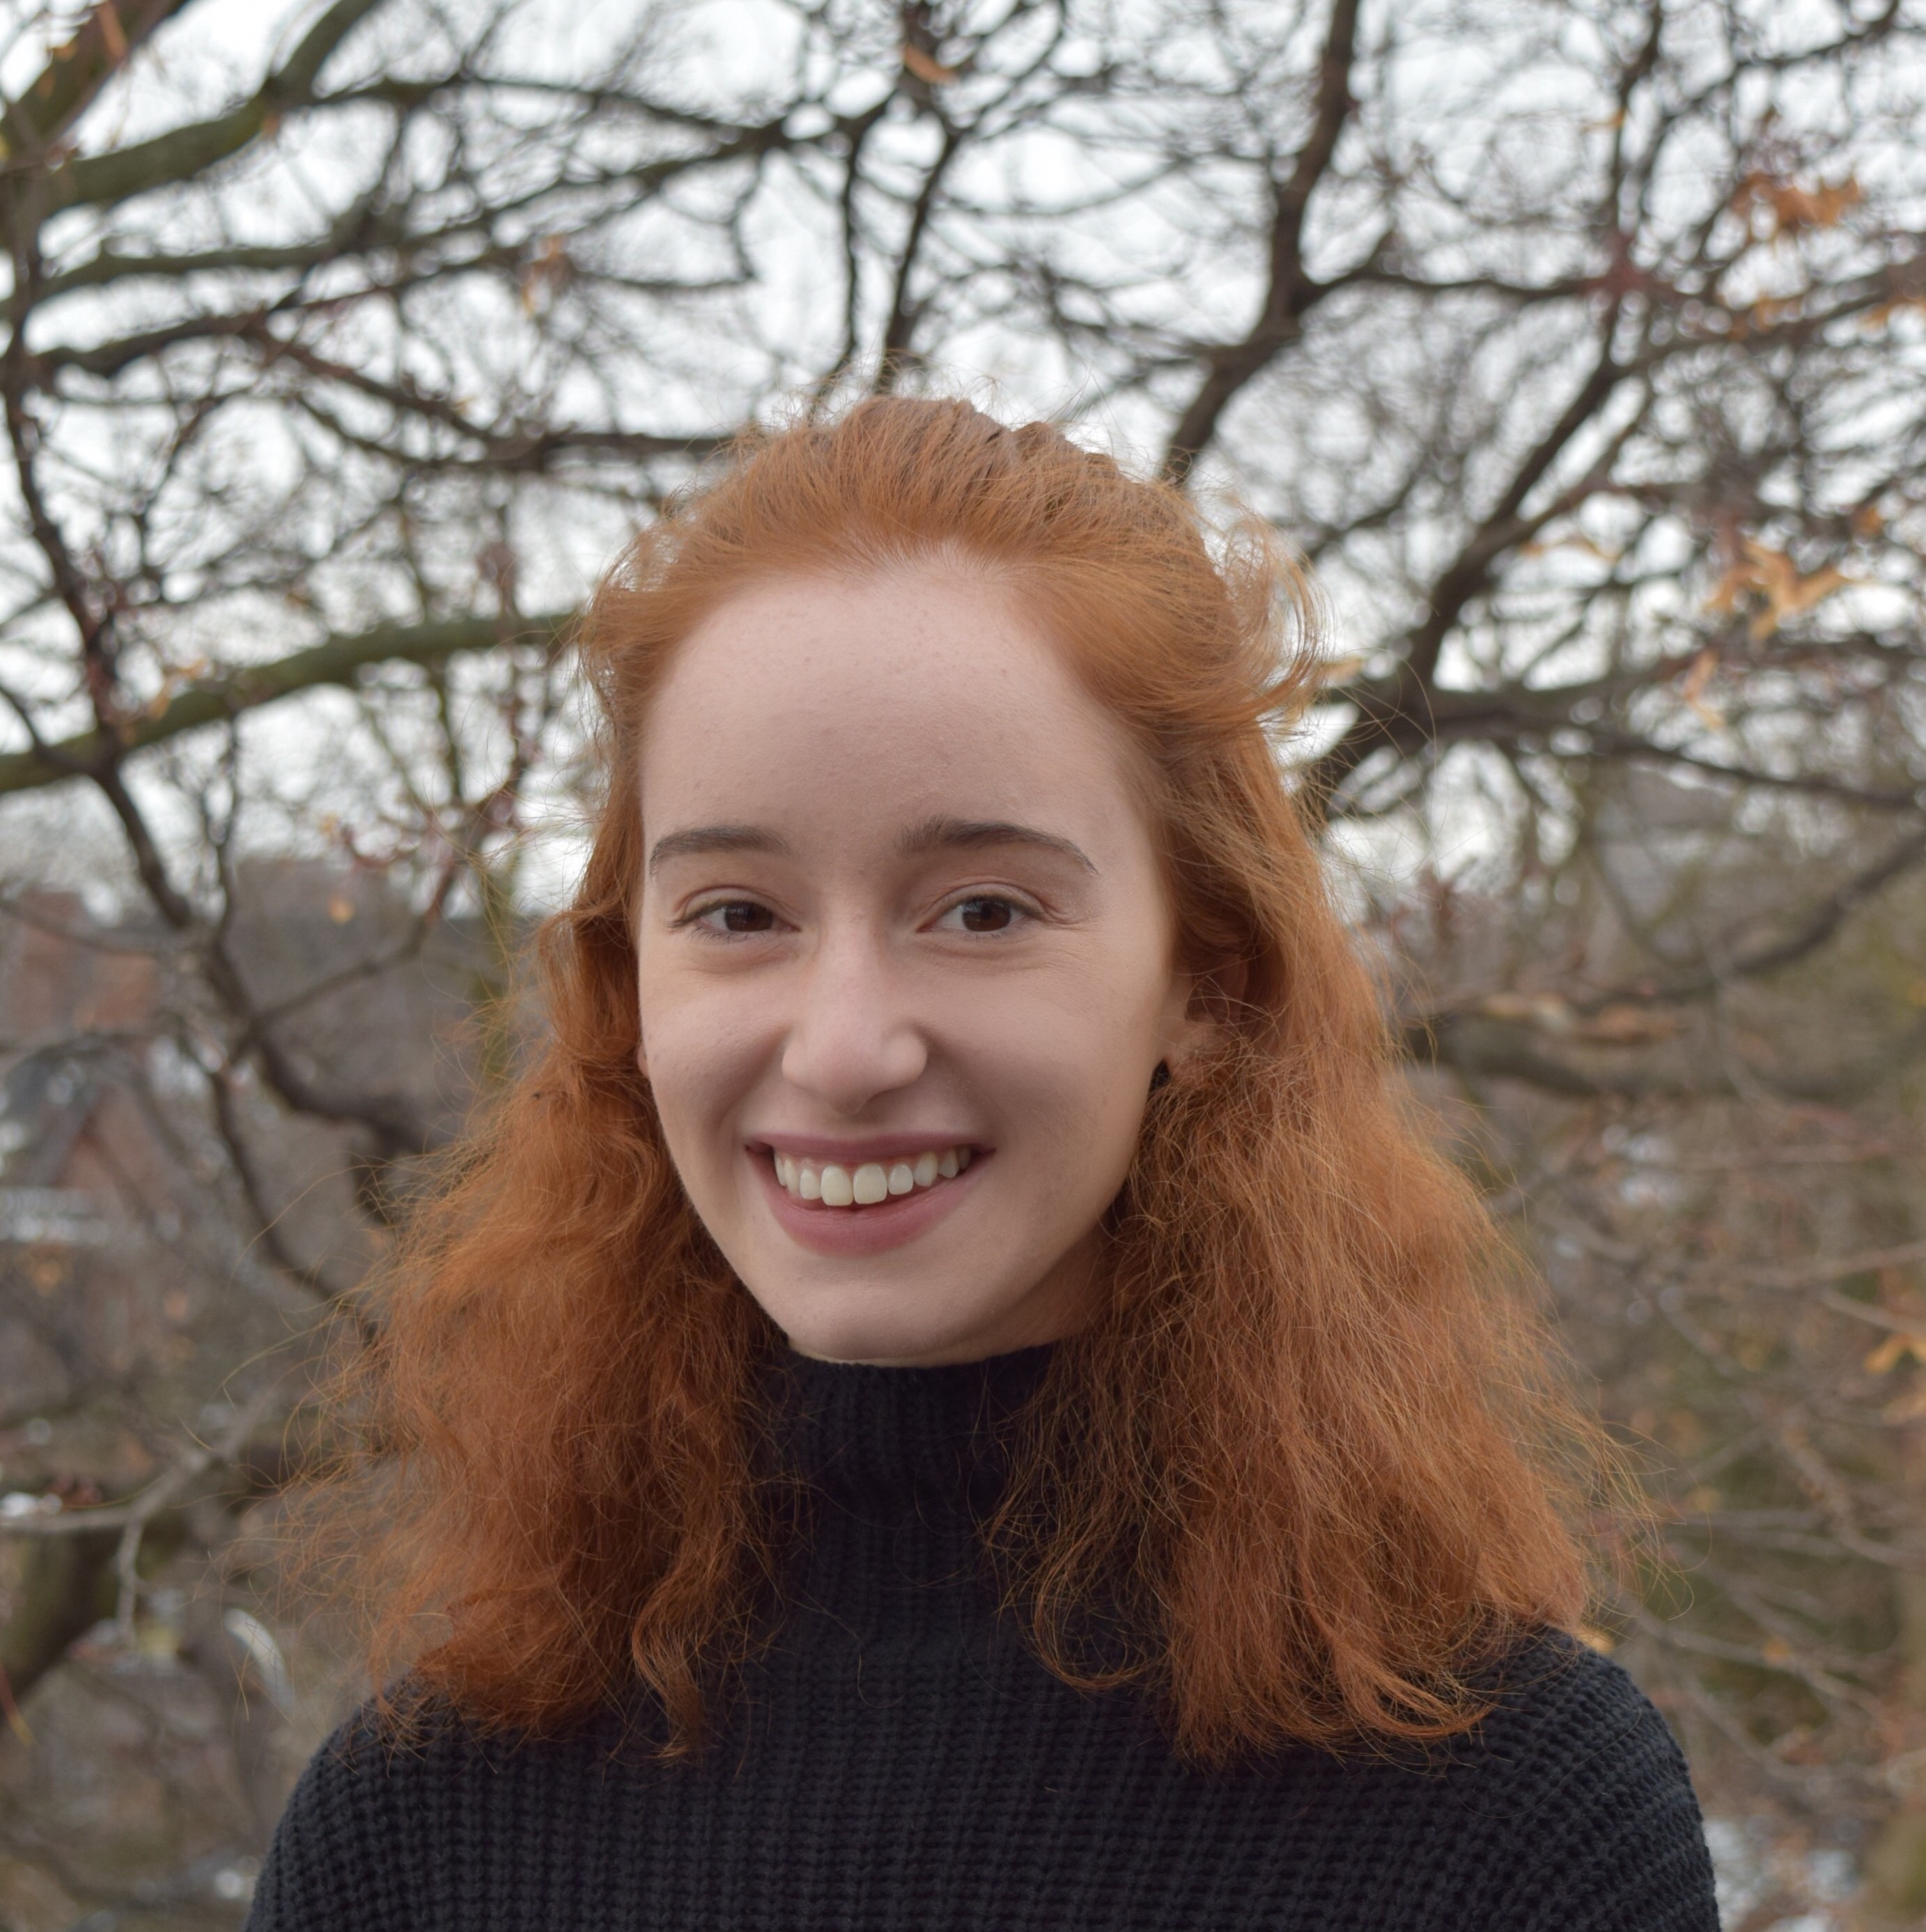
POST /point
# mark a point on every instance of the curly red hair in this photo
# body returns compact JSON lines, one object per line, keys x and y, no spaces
{"x":1310,"y":1449}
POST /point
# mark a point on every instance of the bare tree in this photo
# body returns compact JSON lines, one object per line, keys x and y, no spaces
{"x":1577,"y":342}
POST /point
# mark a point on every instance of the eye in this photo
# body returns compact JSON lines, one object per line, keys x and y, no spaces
{"x":982,"y":912}
{"x":732,"y":916}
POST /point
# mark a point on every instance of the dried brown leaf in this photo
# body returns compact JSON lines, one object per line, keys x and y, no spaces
{"x":926,"y":66}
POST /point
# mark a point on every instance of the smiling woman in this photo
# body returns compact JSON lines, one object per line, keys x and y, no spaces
{"x":954,"y":1393}
{"x":957,"y":950}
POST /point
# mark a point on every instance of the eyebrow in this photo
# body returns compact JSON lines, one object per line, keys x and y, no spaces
{"x":932,"y":834}
{"x":950,"y":835}
{"x":699,"y":839}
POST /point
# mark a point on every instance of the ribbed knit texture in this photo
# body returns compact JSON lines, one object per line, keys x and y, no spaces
{"x":898,"y":1760}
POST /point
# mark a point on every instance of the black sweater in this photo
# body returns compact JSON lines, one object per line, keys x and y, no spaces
{"x":897,"y":1760}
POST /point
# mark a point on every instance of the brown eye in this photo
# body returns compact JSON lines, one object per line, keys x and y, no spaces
{"x":737,"y":916}
{"x":985,"y":915}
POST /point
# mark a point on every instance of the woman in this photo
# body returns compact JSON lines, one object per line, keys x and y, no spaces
{"x":953,"y":1395}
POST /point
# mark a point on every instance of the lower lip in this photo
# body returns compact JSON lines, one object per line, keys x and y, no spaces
{"x":864,"y":1231}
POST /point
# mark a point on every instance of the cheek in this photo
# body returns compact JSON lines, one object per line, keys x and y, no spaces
{"x":701,"y":1051}
{"x":1069,"y":1066}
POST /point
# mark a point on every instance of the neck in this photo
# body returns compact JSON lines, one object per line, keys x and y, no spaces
{"x":873,"y":1435}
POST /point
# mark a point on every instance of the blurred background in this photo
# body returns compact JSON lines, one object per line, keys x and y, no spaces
{"x":1578,"y":345}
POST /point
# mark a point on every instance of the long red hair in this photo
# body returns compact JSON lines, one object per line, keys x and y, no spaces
{"x":1310,"y":1447}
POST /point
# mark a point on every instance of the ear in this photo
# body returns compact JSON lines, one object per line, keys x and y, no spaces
{"x":1201,"y":1007}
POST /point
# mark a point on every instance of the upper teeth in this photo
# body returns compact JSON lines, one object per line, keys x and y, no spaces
{"x":838,"y":1186}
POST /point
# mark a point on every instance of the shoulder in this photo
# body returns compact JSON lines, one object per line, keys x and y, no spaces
{"x":1576,"y":1769}
{"x":385,"y":1825}
{"x":331,"y":1862}
{"x":1557,"y":1700}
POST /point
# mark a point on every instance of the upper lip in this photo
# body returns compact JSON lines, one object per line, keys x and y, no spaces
{"x":870,"y":1147}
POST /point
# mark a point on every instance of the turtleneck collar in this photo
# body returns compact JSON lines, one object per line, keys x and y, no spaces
{"x":878,"y":1440}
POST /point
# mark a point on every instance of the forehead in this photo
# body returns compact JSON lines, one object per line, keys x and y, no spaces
{"x":918,"y":691}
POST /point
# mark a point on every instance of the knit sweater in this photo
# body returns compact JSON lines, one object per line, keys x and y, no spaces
{"x":898,"y":1759}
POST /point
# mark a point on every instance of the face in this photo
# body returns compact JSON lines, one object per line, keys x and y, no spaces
{"x":906,"y":961}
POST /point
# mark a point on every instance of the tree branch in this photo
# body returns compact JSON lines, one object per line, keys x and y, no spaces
{"x":1291,"y":293}
{"x":94,"y":180}
{"x":77,"y":70}
{"x":338,"y":661}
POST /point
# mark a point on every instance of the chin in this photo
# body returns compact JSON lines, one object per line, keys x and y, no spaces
{"x":835,"y":1329}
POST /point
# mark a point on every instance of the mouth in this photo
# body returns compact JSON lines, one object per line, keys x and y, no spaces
{"x":869,"y":1199}
{"x":860,"y":1187}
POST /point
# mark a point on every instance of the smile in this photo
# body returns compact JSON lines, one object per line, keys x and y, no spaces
{"x":835,"y":1185}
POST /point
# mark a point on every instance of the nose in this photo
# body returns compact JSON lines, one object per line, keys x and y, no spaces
{"x":851,"y":1039}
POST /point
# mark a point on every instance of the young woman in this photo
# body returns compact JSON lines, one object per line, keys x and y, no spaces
{"x":954,"y":1395}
